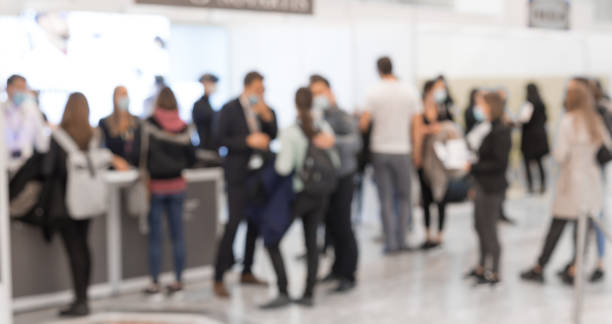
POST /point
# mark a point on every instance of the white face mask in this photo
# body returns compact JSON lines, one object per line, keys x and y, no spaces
{"x":321,"y":102}
{"x":440,"y":96}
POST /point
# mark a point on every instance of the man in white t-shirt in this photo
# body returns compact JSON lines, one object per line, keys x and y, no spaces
{"x":390,"y":107}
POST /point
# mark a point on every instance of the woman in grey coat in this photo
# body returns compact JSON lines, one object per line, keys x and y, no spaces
{"x":579,"y":189}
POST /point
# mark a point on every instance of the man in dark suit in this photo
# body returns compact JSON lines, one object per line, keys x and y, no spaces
{"x":203,"y":114}
{"x":246,"y":127}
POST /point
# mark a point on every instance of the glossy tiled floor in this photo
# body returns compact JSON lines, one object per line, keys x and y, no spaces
{"x":411,"y":288}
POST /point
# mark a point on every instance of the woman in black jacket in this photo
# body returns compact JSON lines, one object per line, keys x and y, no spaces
{"x":74,"y":233}
{"x":491,"y":183}
{"x":534,"y":142}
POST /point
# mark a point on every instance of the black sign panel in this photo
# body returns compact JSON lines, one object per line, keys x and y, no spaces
{"x":287,"y":6}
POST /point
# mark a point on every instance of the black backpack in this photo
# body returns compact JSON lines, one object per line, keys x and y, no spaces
{"x":318,"y":172}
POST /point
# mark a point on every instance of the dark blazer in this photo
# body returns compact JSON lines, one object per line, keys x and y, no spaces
{"x":534,"y":142}
{"x":232,"y":133}
{"x":121,"y":145}
{"x":203,"y":117}
{"x":490,"y":171}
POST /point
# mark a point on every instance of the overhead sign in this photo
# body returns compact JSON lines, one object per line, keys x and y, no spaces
{"x":287,"y":6}
{"x":553,"y":14}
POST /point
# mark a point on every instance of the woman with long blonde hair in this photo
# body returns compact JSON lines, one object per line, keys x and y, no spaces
{"x":579,"y":189}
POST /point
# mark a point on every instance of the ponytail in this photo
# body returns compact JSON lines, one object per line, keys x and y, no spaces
{"x":303,"y":101}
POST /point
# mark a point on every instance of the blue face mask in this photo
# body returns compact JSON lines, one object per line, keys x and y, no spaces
{"x":19,"y":98}
{"x":321,"y":102}
{"x":124,"y":103}
{"x":253,"y":100}
{"x":440,"y":96}
{"x":478,"y":114}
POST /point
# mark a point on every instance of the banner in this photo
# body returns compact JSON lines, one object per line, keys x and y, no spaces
{"x":553,"y":14}
{"x":304,"y":7}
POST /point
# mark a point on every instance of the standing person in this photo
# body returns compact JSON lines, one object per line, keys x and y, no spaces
{"x":203,"y":114}
{"x":471,"y":115}
{"x":246,"y":127}
{"x":310,"y":207}
{"x":579,"y":189}
{"x":74,"y":233}
{"x":491,"y":184}
{"x":443,"y":98}
{"x":391,"y":105}
{"x":338,"y":218}
{"x":120,"y":128}
{"x":425,"y":125}
{"x":168,"y":153}
{"x":534,"y":142}
{"x":24,"y":126}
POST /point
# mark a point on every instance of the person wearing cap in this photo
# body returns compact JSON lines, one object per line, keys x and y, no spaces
{"x":203,"y":114}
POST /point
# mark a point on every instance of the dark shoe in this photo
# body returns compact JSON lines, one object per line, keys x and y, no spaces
{"x":306,"y":301}
{"x":174,"y":289}
{"x":329,"y":278}
{"x":567,"y":279}
{"x":597,"y":276}
{"x":276,"y":303}
{"x":344,"y":286}
{"x":428,"y":245}
{"x":75,"y":310}
{"x":561,"y":273}
{"x":504,"y":219}
{"x":533,"y":276}
{"x":250,"y":279}
{"x":472,"y":274}
{"x":221,"y":291}
{"x":152,"y":289}
{"x":481,"y":279}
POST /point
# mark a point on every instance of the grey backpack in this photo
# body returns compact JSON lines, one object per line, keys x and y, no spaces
{"x":86,"y":190}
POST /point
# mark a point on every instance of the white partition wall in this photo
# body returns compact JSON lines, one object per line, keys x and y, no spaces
{"x":5,"y":275}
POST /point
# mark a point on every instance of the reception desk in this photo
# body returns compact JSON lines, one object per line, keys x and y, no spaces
{"x":40,"y":273}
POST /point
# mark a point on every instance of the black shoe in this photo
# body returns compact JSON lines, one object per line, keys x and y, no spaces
{"x":427,"y":245}
{"x":481,"y":279}
{"x":344,"y":286}
{"x":276,"y":303}
{"x":306,"y":301}
{"x":597,"y":276}
{"x":561,"y":273}
{"x":472,"y":274}
{"x":567,"y":279}
{"x":533,"y":276}
{"x":331,"y":277}
{"x":151,"y":290}
{"x":504,"y":219}
{"x":80,"y":309}
{"x":174,"y":289}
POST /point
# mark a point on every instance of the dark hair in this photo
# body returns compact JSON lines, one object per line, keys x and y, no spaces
{"x":319,"y":78}
{"x":385,"y":67}
{"x":496,"y":105}
{"x":449,"y":98}
{"x":14,"y":78}
{"x":252,"y":77}
{"x":75,"y":120}
{"x":473,"y":94}
{"x":166,"y":100}
{"x":303,"y":102}
{"x":533,"y":94}
{"x":428,"y":87}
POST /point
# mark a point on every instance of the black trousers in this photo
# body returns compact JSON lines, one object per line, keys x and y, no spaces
{"x":75,"y":234}
{"x":237,"y":200}
{"x":528,"y":163}
{"x":339,"y":227}
{"x":557,"y":226}
{"x":427,"y":198}
{"x":486,"y":214}
{"x":310,"y":209}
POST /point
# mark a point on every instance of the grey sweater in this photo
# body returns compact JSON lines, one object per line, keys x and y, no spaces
{"x":348,"y":139}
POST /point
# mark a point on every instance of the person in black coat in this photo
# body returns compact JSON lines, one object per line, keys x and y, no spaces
{"x":203,"y":114}
{"x":245,"y":128}
{"x":489,"y":174}
{"x":534,"y":142}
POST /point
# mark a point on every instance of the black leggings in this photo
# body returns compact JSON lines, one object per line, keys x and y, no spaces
{"x":555,"y":231}
{"x":75,"y":235}
{"x":427,"y":199}
{"x":528,"y":172}
{"x":310,"y":209}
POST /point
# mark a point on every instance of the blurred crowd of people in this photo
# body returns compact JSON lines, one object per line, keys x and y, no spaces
{"x":314,"y":175}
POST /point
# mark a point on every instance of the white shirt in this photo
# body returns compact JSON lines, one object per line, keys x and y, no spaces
{"x":24,"y":131}
{"x":392,"y":105}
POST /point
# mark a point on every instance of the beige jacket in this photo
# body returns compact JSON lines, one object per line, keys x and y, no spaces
{"x":579,"y":189}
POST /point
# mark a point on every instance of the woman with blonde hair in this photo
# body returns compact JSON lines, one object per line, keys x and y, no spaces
{"x":579,"y":189}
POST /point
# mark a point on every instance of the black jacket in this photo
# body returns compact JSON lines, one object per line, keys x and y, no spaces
{"x":203,"y":117}
{"x":233,"y":131}
{"x":534,"y":142}
{"x":121,"y":145}
{"x":168,"y":154}
{"x":490,"y":171}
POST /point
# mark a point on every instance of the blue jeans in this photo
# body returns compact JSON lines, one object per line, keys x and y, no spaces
{"x":173,"y":206}
{"x":601,"y":239}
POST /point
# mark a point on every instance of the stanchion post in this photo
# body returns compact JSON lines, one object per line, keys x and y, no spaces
{"x":579,"y":267}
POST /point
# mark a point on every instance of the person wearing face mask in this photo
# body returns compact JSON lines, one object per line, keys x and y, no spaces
{"x":491,"y":183}
{"x":470,"y":114}
{"x":120,"y":128}
{"x":245,"y":128}
{"x":203,"y":114}
{"x":443,"y":98}
{"x":338,"y":217}
{"x":25,"y":131}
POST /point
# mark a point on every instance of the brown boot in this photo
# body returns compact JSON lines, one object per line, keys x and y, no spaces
{"x":250,"y":279}
{"x":221,"y":291}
